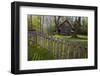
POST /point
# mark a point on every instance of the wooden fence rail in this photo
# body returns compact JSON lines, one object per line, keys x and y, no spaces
{"x":60,"y":48}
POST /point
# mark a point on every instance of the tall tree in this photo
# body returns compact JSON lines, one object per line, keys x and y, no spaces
{"x":57,"y":21}
{"x":76,"y":27}
{"x":29,"y":22}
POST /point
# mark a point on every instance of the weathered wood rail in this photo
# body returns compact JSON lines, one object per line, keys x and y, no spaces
{"x":60,"y":48}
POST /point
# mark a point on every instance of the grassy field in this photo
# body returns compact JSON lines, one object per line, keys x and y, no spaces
{"x":35,"y":52}
{"x":69,"y":38}
{"x":81,"y":38}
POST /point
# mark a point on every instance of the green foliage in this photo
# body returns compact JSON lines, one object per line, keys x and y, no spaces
{"x":36,"y":22}
{"x":51,"y":29}
{"x":84,"y":26}
{"x":35,"y":52}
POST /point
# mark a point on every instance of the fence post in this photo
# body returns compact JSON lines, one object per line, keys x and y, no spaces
{"x":67,"y":50}
{"x":58,"y":48}
{"x":63,"y":48}
{"x":55,"y":47}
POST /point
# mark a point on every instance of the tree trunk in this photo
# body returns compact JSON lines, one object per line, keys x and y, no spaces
{"x":77,"y":26}
{"x":74,"y":34}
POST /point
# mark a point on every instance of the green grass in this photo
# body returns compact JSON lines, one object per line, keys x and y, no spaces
{"x":36,"y":52}
{"x":80,"y":37}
